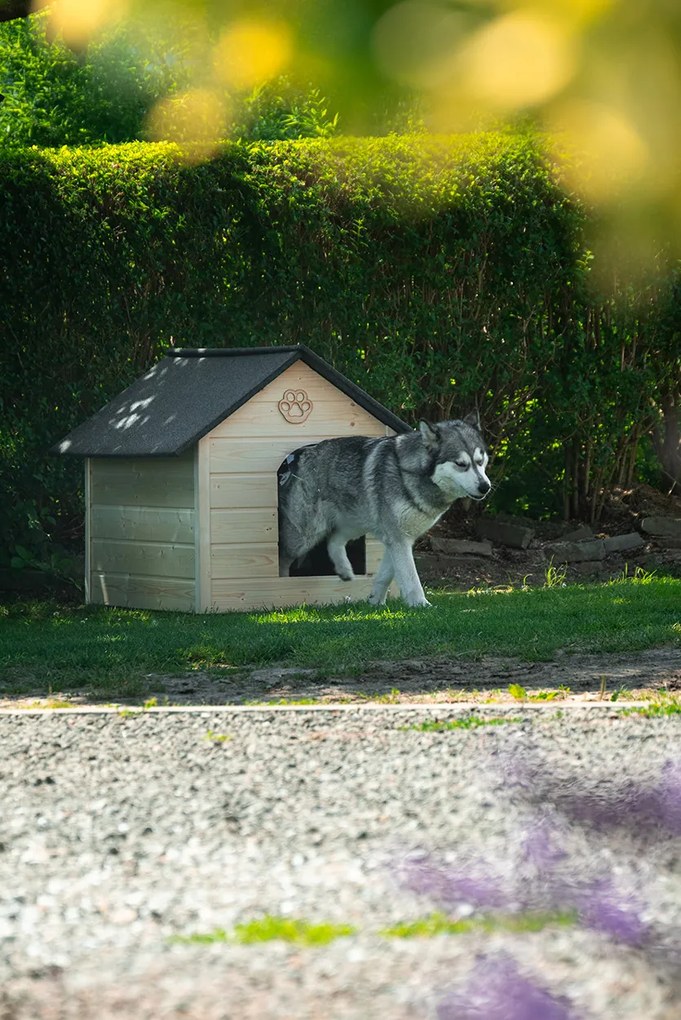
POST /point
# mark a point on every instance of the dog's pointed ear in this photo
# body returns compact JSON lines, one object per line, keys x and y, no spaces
{"x":430,"y":433}
{"x":473,"y":419}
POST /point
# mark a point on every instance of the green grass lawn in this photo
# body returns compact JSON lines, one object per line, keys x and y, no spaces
{"x":46,"y":646}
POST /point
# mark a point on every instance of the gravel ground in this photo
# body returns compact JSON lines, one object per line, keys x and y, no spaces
{"x":121,"y":831}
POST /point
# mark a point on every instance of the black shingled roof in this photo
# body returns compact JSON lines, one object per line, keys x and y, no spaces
{"x":189,"y":392}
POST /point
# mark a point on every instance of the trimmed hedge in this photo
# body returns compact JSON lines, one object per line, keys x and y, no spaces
{"x":437,"y":273}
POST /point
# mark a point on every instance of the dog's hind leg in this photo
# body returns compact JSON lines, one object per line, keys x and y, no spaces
{"x":384,"y":576}
{"x":287,"y":555}
{"x":339,"y":557}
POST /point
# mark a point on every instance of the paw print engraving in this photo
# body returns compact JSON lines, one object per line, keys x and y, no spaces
{"x":295,"y":406}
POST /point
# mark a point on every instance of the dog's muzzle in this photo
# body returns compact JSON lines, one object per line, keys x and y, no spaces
{"x":483,"y":488}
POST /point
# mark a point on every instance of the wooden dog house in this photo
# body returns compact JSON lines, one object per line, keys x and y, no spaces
{"x":181,"y":479}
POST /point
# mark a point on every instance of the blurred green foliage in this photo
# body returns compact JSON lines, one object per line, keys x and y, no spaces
{"x":281,"y":110}
{"x":438,"y":273}
{"x":53,"y":95}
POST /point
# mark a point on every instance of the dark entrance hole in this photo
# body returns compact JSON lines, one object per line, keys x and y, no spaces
{"x":316,"y":563}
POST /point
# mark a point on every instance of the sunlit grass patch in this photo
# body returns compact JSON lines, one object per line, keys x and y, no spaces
{"x":428,"y":927}
{"x":206,"y":656}
{"x":49,"y":705}
{"x":360,"y":611}
{"x":470,"y":722}
{"x":275,"y":702}
{"x":441,"y":924}
{"x":288,"y":929}
{"x":207,"y":938}
{"x":217,"y":738}
{"x":272,"y":928}
{"x":391,"y":697}
{"x":660,"y":707}
{"x":520,"y":693}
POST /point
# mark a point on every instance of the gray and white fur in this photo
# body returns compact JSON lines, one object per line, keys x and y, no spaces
{"x":394,"y":488}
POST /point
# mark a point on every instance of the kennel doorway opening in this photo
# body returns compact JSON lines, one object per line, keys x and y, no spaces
{"x":317,"y":562}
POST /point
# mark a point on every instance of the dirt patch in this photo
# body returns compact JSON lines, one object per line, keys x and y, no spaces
{"x":418,"y":681}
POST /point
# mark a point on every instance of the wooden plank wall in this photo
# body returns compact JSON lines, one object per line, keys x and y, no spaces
{"x":241,"y":457}
{"x":141,"y":532}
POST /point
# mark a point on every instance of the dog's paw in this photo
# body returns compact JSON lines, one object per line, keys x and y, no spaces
{"x":420,"y":603}
{"x":345,"y":576}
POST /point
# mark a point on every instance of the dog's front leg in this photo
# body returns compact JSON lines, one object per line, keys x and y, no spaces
{"x":384,"y":576}
{"x":338,"y":555}
{"x":284,"y":564}
{"x":406,"y":574}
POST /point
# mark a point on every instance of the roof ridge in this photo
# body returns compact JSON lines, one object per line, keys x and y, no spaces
{"x":212,"y":352}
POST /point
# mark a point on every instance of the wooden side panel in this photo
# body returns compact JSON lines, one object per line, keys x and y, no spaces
{"x":152,"y":559}
{"x":142,"y":524}
{"x":245,"y":560}
{"x":142,"y":532}
{"x":248,"y":455}
{"x":111,"y":589}
{"x":266,"y":593}
{"x":258,"y":524}
{"x":242,"y":491}
{"x":143,"y":482}
{"x":88,"y":523}
{"x":203,"y":536}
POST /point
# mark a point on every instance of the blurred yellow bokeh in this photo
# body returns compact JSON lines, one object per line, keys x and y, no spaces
{"x":196,"y":119}
{"x":614,"y":156}
{"x":250,"y":52}
{"x":575,"y":13}
{"x":416,"y":43}
{"x":517,"y":61}
{"x":77,"y":21}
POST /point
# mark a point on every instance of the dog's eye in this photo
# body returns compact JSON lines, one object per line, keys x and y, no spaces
{"x":462,"y":464}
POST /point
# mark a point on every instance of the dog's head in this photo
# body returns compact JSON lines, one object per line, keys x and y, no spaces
{"x":458,"y":456}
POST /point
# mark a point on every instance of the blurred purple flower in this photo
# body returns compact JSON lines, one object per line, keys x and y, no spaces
{"x":633,"y":807}
{"x":602,"y":908}
{"x":496,"y":990}
{"x":643,"y":810}
{"x":450,"y":887}
{"x":519,"y":769}
{"x":668,"y":795}
{"x":540,"y":847}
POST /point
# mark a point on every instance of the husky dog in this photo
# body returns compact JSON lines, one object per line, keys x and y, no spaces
{"x":395,"y":488}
